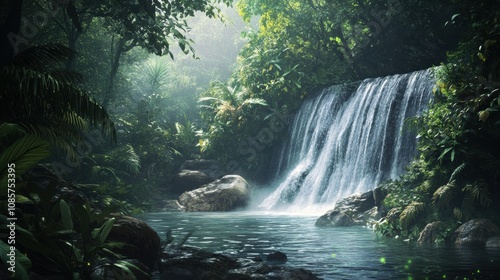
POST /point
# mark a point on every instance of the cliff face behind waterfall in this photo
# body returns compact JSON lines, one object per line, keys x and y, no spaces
{"x":343,"y":141}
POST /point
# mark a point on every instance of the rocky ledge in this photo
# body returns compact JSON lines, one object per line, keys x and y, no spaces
{"x":188,"y":263}
{"x":357,"y":209}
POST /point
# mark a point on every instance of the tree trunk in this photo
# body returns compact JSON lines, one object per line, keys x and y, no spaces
{"x":9,"y":28}
{"x":73,"y":36}
{"x":116,"y":51}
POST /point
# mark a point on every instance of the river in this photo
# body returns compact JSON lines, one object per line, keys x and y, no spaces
{"x":331,"y":253}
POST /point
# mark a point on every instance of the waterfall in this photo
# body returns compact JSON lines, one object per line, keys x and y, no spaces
{"x":344,"y":141}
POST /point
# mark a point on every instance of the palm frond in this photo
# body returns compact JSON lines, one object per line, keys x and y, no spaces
{"x":411,"y":213}
{"x":38,"y":57}
{"x":479,"y":193}
{"x":126,"y":156}
{"x":209,"y":98}
{"x":57,"y":132}
{"x":255,"y":101}
{"x":24,"y":153}
{"x":458,"y":172}
{"x":491,"y":164}
{"x":67,"y":76}
{"x":458,"y":213}
{"x":106,"y":173}
{"x":30,"y":89}
{"x":10,"y":129}
{"x":75,"y":120}
{"x":443,"y":196}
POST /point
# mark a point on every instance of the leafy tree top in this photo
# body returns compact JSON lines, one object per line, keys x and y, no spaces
{"x":150,"y":24}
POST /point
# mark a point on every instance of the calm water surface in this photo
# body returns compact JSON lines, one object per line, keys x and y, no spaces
{"x":331,"y":253}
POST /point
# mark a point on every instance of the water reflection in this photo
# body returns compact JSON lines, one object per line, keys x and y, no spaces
{"x":332,"y":253}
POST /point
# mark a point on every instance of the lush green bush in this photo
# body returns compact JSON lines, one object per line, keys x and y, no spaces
{"x":456,"y":178}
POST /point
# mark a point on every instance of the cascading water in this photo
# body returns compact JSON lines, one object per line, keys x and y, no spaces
{"x":343,"y":142}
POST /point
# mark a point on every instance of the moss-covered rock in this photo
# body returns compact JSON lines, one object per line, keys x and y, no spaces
{"x":228,"y":193}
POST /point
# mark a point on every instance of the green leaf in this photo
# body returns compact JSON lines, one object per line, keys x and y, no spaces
{"x":22,"y":263}
{"x":21,"y":199}
{"x":447,"y":150}
{"x":124,"y":268}
{"x":25,"y":153}
{"x":10,"y":129}
{"x":66,"y":215}
{"x":443,"y":196}
{"x":82,"y":216}
{"x":103,"y":232}
{"x":411,"y":213}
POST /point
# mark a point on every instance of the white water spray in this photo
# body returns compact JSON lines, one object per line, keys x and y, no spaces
{"x":343,"y":142}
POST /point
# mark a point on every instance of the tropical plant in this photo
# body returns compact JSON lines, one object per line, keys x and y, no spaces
{"x":411,"y":213}
{"x":61,"y":232}
{"x":20,"y":152}
{"x":229,"y":104}
{"x":232,"y":116}
{"x":114,"y":166}
{"x":46,"y":102}
{"x":126,"y":23}
{"x":22,"y":263}
{"x":458,"y":135}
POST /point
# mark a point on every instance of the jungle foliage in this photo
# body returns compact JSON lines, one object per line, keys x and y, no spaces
{"x":81,"y":92}
{"x":60,"y":61}
{"x":457,"y":176}
{"x":301,"y":46}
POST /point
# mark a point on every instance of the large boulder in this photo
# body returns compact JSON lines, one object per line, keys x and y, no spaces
{"x":335,"y":218}
{"x":358,"y":203}
{"x":172,"y":206}
{"x":354,"y":210}
{"x":475,"y":233}
{"x":141,"y":241}
{"x":188,"y":180}
{"x":430,"y":233}
{"x":228,"y":193}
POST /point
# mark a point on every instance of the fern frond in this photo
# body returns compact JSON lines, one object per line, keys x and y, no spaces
{"x":254,"y":101}
{"x":30,"y":89}
{"x":9,"y":132}
{"x":457,"y":212}
{"x":457,"y":173}
{"x":443,"y":196}
{"x":411,"y":212}
{"x":58,"y":133}
{"x":24,"y":153}
{"x":491,"y":164}
{"x":100,"y":171}
{"x":76,"y":121}
{"x":120,"y":157}
{"x":479,"y":193}
{"x":38,"y":57}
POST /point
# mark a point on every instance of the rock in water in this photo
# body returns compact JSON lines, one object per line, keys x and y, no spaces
{"x":277,"y":256}
{"x":228,"y":193}
{"x":475,"y":233}
{"x":142,"y":242}
{"x":189,"y":263}
{"x":430,"y":233}
{"x":356,"y":209}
